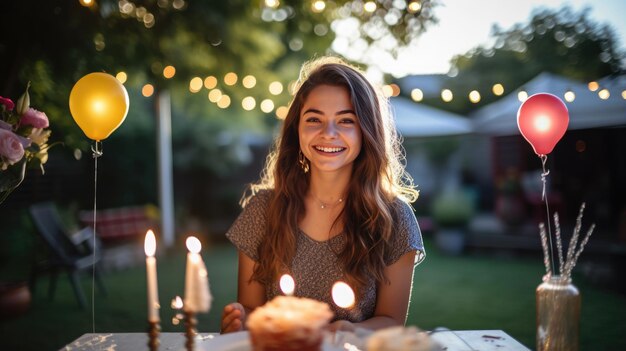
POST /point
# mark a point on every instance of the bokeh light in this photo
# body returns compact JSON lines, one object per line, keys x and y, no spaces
{"x":276,"y":88}
{"x":497,"y":89}
{"x":417,"y":95}
{"x":122,"y":77}
{"x":249,"y":81}
{"x":195,"y":85}
{"x":267,"y":105}
{"x":474,"y":96}
{"x":169,"y":72}
{"x":147,"y":90}
{"x":522,"y":95}
{"x":230,"y":78}
{"x":248,"y":103}
{"x":210,"y":82}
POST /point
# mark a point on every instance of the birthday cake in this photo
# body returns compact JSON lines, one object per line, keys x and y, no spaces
{"x":289,"y":323}
{"x":401,"y":339}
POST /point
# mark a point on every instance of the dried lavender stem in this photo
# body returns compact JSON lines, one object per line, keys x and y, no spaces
{"x":580,"y":249}
{"x":559,"y":245}
{"x":574,"y":240}
{"x":544,"y":245}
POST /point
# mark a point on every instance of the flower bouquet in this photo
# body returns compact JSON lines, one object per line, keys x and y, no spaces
{"x":23,"y":141}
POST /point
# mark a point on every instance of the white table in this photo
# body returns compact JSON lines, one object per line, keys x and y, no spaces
{"x":453,"y":340}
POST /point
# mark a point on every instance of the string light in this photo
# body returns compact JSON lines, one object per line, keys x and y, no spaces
{"x":369,"y":6}
{"x":249,"y":81}
{"x":414,"y":6}
{"x":604,"y":94}
{"x":215,"y":95}
{"x":522,"y":96}
{"x":272,"y":3}
{"x":224,"y":101}
{"x":276,"y":88}
{"x":122,"y":77}
{"x":230,"y":78}
{"x":387,"y":90}
{"x":210,"y":82}
{"x":417,"y":95}
{"x":446,"y":95}
{"x":624,"y":94}
{"x":248,"y":103}
{"x":318,"y":6}
{"x":267,"y":105}
{"x":87,"y":3}
{"x":593,"y":86}
{"x":474,"y":96}
{"x":169,"y":72}
{"x":569,"y":95}
{"x":195,"y":84}
{"x":497,"y":89}
{"x":281,"y":112}
{"x":147,"y":90}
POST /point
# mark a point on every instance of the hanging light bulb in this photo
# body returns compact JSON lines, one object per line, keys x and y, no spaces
{"x":569,"y":95}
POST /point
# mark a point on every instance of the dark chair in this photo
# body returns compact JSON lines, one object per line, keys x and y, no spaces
{"x":69,"y":253}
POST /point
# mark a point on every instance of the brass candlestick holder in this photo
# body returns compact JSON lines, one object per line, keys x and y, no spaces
{"x":190,"y":329}
{"x":154,"y":330}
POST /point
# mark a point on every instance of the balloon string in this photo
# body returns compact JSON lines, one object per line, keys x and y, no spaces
{"x":544,"y":176}
{"x":97,"y":152}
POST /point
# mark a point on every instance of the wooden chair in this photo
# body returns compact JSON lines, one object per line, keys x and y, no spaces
{"x":70,"y":253}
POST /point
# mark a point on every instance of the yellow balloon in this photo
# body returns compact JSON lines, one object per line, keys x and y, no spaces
{"x":99,"y":104}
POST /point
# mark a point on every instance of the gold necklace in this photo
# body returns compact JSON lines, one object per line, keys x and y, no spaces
{"x":324,"y":205}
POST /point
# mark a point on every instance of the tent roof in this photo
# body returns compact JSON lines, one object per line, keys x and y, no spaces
{"x":418,"y":120}
{"x":586,"y":111}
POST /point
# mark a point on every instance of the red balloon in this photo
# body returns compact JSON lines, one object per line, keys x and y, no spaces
{"x":543,"y":120}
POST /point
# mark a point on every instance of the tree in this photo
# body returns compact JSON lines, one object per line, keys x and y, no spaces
{"x":561,"y":42}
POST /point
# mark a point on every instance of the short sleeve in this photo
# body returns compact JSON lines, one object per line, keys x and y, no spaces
{"x":248,"y":230}
{"x":407,"y":236}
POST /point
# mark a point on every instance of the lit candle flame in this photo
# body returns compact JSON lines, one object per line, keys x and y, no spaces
{"x":287,"y":284}
{"x":193,"y":244}
{"x":177,"y":303}
{"x":343,"y":295}
{"x":149,"y":245}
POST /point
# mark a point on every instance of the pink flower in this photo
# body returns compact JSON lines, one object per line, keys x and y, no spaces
{"x":34,"y":118}
{"x":11,"y":149}
{"x":8,"y":104}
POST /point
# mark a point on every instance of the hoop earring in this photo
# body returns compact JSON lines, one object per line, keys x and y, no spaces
{"x":304,"y":163}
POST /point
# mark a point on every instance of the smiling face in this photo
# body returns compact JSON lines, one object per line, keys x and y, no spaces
{"x":329,"y":131}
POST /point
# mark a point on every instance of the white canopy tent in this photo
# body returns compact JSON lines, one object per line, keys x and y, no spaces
{"x":587,"y":110}
{"x":418,"y":120}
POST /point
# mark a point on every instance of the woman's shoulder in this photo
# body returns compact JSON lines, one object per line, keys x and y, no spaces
{"x":259,"y":199}
{"x":403,"y":208}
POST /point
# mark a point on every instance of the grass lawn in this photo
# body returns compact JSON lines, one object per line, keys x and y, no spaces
{"x":466,"y":292}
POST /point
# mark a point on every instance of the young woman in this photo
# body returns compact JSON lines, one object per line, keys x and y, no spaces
{"x":332,"y":204}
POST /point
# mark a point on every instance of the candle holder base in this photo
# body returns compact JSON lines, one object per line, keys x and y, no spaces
{"x":154,"y":330}
{"x":190,"y":329}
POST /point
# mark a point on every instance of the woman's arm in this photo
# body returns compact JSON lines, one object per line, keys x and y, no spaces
{"x":392,"y":301}
{"x":250,"y":295}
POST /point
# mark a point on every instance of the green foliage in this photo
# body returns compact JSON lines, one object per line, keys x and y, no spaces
{"x":561,"y":42}
{"x":453,"y":208}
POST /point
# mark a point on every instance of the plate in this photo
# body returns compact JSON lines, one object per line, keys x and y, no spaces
{"x":240,"y":341}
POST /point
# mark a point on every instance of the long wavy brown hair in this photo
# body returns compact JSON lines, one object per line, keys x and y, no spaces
{"x":369,"y":208}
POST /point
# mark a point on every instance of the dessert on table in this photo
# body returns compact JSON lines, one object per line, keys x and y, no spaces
{"x":289,"y":323}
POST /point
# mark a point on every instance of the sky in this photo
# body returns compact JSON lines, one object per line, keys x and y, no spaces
{"x":465,"y":24}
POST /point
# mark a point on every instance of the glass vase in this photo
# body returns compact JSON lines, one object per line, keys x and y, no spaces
{"x":558,"y":315}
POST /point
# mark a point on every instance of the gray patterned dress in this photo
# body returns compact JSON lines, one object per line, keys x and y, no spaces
{"x":315,"y":267}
